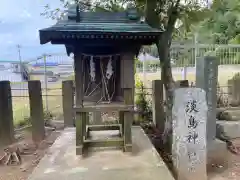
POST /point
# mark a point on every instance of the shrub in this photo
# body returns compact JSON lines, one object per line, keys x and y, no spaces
{"x":142,"y":104}
{"x":47,"y":115}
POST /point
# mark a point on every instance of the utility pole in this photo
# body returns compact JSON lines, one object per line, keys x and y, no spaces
{"x":19,"y":57}
{"x":45,"y":81}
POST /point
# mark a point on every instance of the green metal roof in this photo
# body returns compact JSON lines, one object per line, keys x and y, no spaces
{"x":84,"y":25}
{"x":103,"y":27}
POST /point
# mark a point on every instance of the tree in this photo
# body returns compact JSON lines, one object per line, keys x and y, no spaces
{"x":223,"y":23}
{"x":158,"y":14}
{"x":165,"y":13}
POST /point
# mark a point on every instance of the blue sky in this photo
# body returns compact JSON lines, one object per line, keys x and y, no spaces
{"x":20,"y":21}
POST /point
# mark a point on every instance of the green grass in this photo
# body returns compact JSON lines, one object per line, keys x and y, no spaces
{"x":21,"y":107}
{"x":222,"y":77}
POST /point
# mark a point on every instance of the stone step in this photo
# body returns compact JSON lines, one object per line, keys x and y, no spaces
{"x":230,"y":115}
{"x":111,"y":142}
{"x":230,"y":128}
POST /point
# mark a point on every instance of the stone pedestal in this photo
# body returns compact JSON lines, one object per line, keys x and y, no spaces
{"x":207,"y":79}
{"x":217,"y":153}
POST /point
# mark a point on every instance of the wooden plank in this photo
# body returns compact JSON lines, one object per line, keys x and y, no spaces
{"x":103,"y":127}
{"x":104,"y":108}
{"x":114,"y":142}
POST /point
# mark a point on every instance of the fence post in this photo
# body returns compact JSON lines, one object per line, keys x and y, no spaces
{"x":6,"y":114}
{"x":36,"y":110}
{"x":67,"y":100}
{"x":157,"y":104}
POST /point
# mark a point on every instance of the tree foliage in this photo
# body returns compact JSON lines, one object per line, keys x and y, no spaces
{"x":223,"y":23}
{"x":161,"y":14}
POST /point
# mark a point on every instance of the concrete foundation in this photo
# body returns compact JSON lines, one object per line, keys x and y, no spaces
{"x":61,"y":162}
{"x":231,"y":128}
{"x":217,"y":153}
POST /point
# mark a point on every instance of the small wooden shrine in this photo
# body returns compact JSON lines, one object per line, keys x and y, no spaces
{"x":104,"y":45}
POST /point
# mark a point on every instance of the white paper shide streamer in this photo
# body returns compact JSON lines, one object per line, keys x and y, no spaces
{"x":92,"y":69}
{"x":109,"y":71}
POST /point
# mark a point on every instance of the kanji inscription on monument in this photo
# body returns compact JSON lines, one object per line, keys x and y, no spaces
{"x":189,"y":133}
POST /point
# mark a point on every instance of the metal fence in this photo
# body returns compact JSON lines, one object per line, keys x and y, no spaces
{"x":184,"y":58}
{"x":52,"y":69}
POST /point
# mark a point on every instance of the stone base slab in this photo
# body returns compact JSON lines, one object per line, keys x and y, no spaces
{"x":61,"y":162}
{"x":217,"y":153}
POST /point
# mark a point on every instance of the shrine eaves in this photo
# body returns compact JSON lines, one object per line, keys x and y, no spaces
{"x":88,"y":30}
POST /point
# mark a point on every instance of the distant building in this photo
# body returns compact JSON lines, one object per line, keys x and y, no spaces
{"x":147,"y":57}
{"x":42,"y":64}
{"x":2,"y":67}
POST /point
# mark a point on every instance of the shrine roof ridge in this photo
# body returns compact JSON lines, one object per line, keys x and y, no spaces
{"x":128,"y":15}
{"x":101,"y":26}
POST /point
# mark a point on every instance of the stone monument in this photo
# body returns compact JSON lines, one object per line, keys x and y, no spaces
{"x":207,"y":79}
{"x":189,"y":133}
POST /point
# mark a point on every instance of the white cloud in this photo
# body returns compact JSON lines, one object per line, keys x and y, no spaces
{"x":25,"y":14}
{"x":19,"y":24}
{"x":10,"y":42}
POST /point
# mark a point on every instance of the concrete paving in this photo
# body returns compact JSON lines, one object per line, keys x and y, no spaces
{"x":61,"y":161}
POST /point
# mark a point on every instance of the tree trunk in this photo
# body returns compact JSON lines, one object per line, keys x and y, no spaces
{"x":167,"y":78}
{"x":163,"y":46}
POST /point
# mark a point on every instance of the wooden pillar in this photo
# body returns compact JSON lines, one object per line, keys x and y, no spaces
{"x":36,"y":110}
{"x":6,"y":114}
{"x":121,"y":121}
{"x":67,"y":101}
{"x":158,"y":105}
{"x":80,"y":116}
{"x":128,"y":83}
{"x":78,"y":68}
